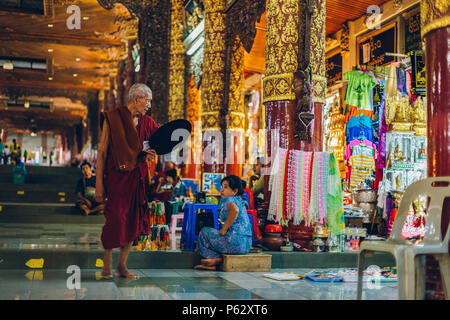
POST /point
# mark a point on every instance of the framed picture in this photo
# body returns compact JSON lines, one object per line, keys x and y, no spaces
{"x":193,"y":184}
{"x":211,"y":183}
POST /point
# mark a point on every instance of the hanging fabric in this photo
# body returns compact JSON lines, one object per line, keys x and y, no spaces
{"x":305,"y":186}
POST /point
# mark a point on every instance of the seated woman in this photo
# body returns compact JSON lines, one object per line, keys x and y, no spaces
{"x":235,"y":237}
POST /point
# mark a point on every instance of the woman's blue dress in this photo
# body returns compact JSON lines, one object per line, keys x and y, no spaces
{"x":237,"y":240}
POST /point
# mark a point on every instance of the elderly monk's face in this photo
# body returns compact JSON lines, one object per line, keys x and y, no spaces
{"x":143,"y":104}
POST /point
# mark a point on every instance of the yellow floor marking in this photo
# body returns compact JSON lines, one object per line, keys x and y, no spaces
{"x":35,"y":263}
{"x":99,"y":263}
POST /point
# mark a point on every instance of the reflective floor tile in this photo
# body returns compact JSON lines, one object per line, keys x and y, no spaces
{"x":192,"y":296}
{"x":160,"y":273}
{"x":143,"y":293}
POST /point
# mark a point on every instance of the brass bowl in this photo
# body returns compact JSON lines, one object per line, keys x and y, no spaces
{"x":365,"y":196}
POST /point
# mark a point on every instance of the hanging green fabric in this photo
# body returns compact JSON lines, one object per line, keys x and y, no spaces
{"x":336,"y":222}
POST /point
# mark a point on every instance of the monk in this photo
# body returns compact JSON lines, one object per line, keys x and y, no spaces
{"x":121,"y":172}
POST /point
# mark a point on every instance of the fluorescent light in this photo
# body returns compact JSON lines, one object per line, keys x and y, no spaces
{"x":50,"y":25}
{"x":50,"y":50}
{"x":77,"y":59}
{"x":50,"y":78}
{"x":75,"y":75}
{"x":85,"y":18}
{"x":8,"y":65}
{"x":195,"y":46}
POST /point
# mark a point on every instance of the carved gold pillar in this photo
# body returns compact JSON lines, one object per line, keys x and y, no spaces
{"x":317,"y":64}
{"x":435,"y":20}
{"x":281,"y":61}
{"x":213,"y":74}
{"x":193,"y":115}
{"x":236,"y":110}
{"x":130,"y":74}
{"x":176,"y":62}
{"x":120,"y":87}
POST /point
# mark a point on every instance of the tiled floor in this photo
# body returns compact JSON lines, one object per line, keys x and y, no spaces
{"x":50,"y":235}
{"x":179,"y":284}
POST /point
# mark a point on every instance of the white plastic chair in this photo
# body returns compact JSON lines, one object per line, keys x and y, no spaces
{"x":410,"y":258}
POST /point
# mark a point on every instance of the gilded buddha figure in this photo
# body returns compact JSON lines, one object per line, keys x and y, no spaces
{"x":398,"y":154}
{"x":419,"y":117}
{"x":398,"y":112}
{"x":398,"y":183}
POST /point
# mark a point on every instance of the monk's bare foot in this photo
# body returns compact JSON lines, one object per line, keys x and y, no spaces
{"x":123,"y":272}
{"x":203,"y":267}
{"x":211,"y":262}
{"x":106,"y":274}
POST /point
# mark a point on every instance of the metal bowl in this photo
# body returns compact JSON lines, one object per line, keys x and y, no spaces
{"x":365,"y":196}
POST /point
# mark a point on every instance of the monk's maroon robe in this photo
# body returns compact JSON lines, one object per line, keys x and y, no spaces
{"x":126,"y":211}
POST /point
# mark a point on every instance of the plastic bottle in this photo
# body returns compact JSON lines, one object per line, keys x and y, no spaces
{"x":356,"y":243}
{"x":348,"y":243}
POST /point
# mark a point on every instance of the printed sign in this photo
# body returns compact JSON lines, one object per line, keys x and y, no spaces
{"x":334,"y":69}
{"x":378,"y":44}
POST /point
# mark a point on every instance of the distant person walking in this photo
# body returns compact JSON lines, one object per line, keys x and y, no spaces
{"x":19,"y":155}
{"x":51,"y":158}
{"x":25,"y":156}
{"x":5,"y":155}
{"x":13,"y":151}
{"x":2,"y":147}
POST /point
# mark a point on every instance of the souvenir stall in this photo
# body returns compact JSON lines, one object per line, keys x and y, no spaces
{"x":385,"y":143}
{"x":405,"y":143}
{"x":363,"y":98}
{"x":306,"y":187}
{"x":334,"y":128}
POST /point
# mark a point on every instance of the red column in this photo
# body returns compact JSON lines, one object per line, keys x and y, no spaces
{"x":436,"y":33}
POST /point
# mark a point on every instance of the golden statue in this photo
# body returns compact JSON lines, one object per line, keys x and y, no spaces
{"x":419,"y":210}
{"x":398,"y":183}
{"x":419,"y":117}
{"x":398,"y":112}
{"x":398,"y":154}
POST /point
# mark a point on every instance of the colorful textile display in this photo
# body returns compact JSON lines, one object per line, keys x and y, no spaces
{"x":306,"y":186}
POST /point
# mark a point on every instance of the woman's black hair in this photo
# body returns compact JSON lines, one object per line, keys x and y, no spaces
{"x":235,"y":183}
{"x":172,"y":173}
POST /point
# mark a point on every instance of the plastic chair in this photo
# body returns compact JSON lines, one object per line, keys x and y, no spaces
{"x":410,"y":258}
{"x":253,"y":221}
{"x":246,"y":198}
{"x":250,"y":196}
{"x":188,"y":235}
{"x":173,"y":229}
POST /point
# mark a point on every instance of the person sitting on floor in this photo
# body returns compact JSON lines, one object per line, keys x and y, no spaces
{"x":85,"y":191}
{"x":235,"y":236}
{"x":178,"y":187}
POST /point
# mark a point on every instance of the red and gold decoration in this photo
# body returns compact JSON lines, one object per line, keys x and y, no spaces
{"x":235,"y":97}
{"x":434,"y":14}
{"x":213,"y":64}
{"x":176,"y":64}
{"x":317,"y":49}
{"x":281,"y":49}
